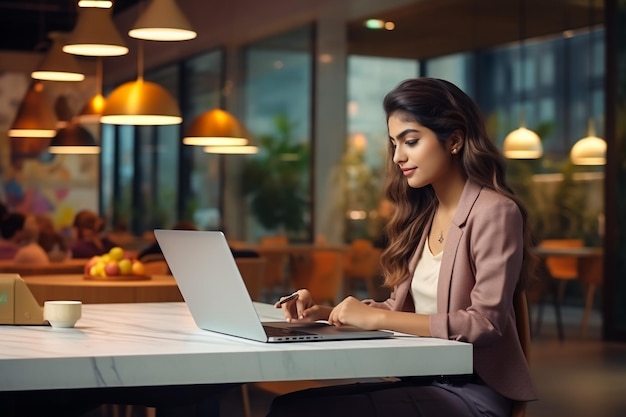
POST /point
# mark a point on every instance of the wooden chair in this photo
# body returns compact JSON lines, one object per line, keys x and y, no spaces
{"x":522,"y":322}
{"x":563,"y":268}
{"x":591,"y":274}
{"x":275,"y":278}
{"x":253,"y":272}
{"x":321,"y":273}
{"x":362,"y":266}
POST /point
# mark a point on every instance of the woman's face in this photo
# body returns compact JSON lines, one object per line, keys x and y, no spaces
{"x":418,"y":152}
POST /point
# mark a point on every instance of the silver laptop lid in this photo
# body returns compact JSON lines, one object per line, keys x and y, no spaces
{"x":209,"y":281}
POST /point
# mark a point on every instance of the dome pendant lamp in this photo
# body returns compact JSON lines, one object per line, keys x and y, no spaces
{"x":73,"y":139}
{"x":522,"y":143}
{"x":162,"y":20}
{"x":92,"y":111}
{"x":590,"y":150}
{"x":216,"y":127}
{"x":140,"y":103}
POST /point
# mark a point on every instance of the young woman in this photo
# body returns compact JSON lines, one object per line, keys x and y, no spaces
{"x":458,"y":249}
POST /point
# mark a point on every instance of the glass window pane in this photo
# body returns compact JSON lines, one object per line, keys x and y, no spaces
{"x":278,"y":84}
{"x":203,"y":84}
{"x":362,"y":169}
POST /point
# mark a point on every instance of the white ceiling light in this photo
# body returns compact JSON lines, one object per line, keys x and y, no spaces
{"x":58,"y":65}
{"x":95,"y":35}
{"x":162,"y":21}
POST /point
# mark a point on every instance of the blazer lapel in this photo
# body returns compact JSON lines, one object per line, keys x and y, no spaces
{"x":453,"y":239}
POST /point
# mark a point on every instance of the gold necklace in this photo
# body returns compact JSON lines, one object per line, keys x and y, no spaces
{"x":440,"y":237}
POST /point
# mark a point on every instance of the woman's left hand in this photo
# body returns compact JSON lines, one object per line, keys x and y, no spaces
{"x":355,"y":313}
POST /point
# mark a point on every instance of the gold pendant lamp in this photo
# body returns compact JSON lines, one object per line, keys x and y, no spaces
{"x":35,"y":117}
{"x":140,"y":103}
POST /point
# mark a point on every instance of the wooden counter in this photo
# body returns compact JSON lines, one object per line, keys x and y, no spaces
{"x":74,"y":287}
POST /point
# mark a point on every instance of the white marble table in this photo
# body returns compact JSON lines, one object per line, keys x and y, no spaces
{"x":151,"y":344}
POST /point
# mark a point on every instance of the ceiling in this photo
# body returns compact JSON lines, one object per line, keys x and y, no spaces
{"x":424,"y":29}
{"x":24,"y":24}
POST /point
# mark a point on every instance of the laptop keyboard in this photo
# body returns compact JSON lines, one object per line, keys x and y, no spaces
{"x":282,"y":331}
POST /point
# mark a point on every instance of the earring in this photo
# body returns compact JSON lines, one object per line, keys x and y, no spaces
{"x":454,"y":151}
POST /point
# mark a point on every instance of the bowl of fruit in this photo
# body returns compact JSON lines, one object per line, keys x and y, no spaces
{"x":116,"y":265}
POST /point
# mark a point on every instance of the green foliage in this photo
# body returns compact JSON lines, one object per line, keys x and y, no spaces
{"x":275,"y":180}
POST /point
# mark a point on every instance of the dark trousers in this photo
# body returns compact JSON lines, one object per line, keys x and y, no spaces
{"x":393,"y":399}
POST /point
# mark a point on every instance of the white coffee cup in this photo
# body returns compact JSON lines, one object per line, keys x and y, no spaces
{"x":62,"y":314}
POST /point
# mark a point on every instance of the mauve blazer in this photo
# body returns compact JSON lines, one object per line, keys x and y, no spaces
{"x":480,"y":269}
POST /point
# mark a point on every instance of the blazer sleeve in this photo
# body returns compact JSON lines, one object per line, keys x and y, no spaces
{"x":487,"y":266}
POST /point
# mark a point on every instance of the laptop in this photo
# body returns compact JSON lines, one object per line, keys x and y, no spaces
{"x":215,"y":293}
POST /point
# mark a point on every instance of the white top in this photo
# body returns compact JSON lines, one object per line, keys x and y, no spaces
{"x":424,"y":283}
{"x":150,"y":344}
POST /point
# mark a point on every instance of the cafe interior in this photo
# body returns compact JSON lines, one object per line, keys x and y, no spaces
{"x":263,"y":119}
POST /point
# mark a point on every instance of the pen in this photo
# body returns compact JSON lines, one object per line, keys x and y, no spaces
{"x":288,"y":298}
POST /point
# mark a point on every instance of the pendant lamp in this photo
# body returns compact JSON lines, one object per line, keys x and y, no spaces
{"x":104,"y":4}
{"x":95,"y":34}
{"x":92,"y":111}
{"x":232,"y":150}
{"x":62,"y":111}
{"x":140,"y":102}
{"x":73,"y":139}
{"x":522,"y":143}
{"x":162,"y":20}
{"x":58,"y":65}
{"x":590,"y":150}
{"x":216,"y":127}
{"x":35,"y":117}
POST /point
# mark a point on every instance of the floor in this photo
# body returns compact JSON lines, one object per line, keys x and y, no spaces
{"x":578,"y":377}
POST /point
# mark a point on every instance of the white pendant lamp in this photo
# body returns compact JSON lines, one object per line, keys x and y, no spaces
{"x":95,"y":34}
{"x":590,"y":150}
{"x":232,"y":150}
{"x":522,"y":143}
{"x":58,"y":65}
{"x":140,"y":103}
{"x":35,"y":118}
{"x":216,"y":127}
{"x":73,"y":139}
{"x":162,"y":20}
{"x":103,"y":4}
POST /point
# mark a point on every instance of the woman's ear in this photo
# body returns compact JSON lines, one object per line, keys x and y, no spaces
{"x":456,"y":142}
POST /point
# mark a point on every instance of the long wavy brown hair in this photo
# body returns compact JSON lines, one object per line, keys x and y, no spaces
{"x":443,"y":108}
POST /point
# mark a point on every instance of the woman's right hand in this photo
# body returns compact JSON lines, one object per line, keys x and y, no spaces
{"x":303,"y":308}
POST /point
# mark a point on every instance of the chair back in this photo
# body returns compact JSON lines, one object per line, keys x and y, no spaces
{"x":321,"y":273}
{"x":562,"y":267}
{"x":276,"y":268}
{"x":522,"y":323}
{"x":252,"y":271}
{"x":362,"y":265}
